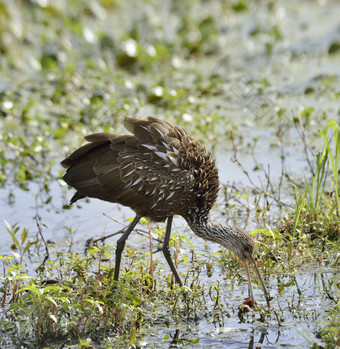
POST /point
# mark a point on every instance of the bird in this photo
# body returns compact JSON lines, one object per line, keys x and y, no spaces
{"x":159,"y":171}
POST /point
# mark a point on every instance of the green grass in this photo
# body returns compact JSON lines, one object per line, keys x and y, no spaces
{"x":72,"y":299}
{"x":317,"y":205}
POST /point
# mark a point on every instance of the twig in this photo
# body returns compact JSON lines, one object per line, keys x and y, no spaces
{"x":47,"y":255}
{"x":235,"y":160}
{"x":302,"y":135}
{"x":138,"y":231}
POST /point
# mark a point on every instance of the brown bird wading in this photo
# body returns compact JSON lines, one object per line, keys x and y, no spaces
{"x":159,"y":171}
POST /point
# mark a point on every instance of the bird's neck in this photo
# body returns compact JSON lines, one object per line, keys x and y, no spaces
{"x":206,"y":229}
{"x":203,"y":227}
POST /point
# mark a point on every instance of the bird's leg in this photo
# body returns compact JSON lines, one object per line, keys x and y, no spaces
{"x":167,"y":254}
{"x":121,"y":245}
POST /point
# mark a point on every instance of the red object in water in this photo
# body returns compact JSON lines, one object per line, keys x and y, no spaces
{"x":247,"y":306}
{"x":247,"y":302}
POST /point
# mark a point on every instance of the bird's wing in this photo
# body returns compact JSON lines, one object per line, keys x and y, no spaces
{"x":81,"y":167}
{"x":141,"y":171}
{"x":147,"y":163}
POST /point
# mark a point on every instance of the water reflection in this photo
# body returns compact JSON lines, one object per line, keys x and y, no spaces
{"x":259,"y":342}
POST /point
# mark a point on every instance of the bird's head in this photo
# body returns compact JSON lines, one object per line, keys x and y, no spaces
{"x":242,"y":245}
{"x":235,"y":240}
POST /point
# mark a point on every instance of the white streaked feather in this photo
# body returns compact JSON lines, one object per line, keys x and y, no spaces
{"x":161,"y":155}
{"x":166,"y":145}
{"x":128,"y":174}
{"x":173,"y":160}
{"x":127,"y":165}
{"x":127,"y":156}
{"x":159,"y":131}
{"x":137,"y":181}
{"x":170,"y":195}
{"x":153,"y":205}
{"x":175,"y":150}
{"x":151,"y":147}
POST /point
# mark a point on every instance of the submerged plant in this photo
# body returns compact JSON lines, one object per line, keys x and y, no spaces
{"x":331,"y":332}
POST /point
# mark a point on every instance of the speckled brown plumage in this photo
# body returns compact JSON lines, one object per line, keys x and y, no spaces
{"x":159,"y":171}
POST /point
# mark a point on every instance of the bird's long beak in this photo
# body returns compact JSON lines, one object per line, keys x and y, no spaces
{"x":257,"y":272}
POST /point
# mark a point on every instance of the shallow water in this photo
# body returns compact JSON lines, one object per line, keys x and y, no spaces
{"x":299,"y":304}
{"x":300,"y":298}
